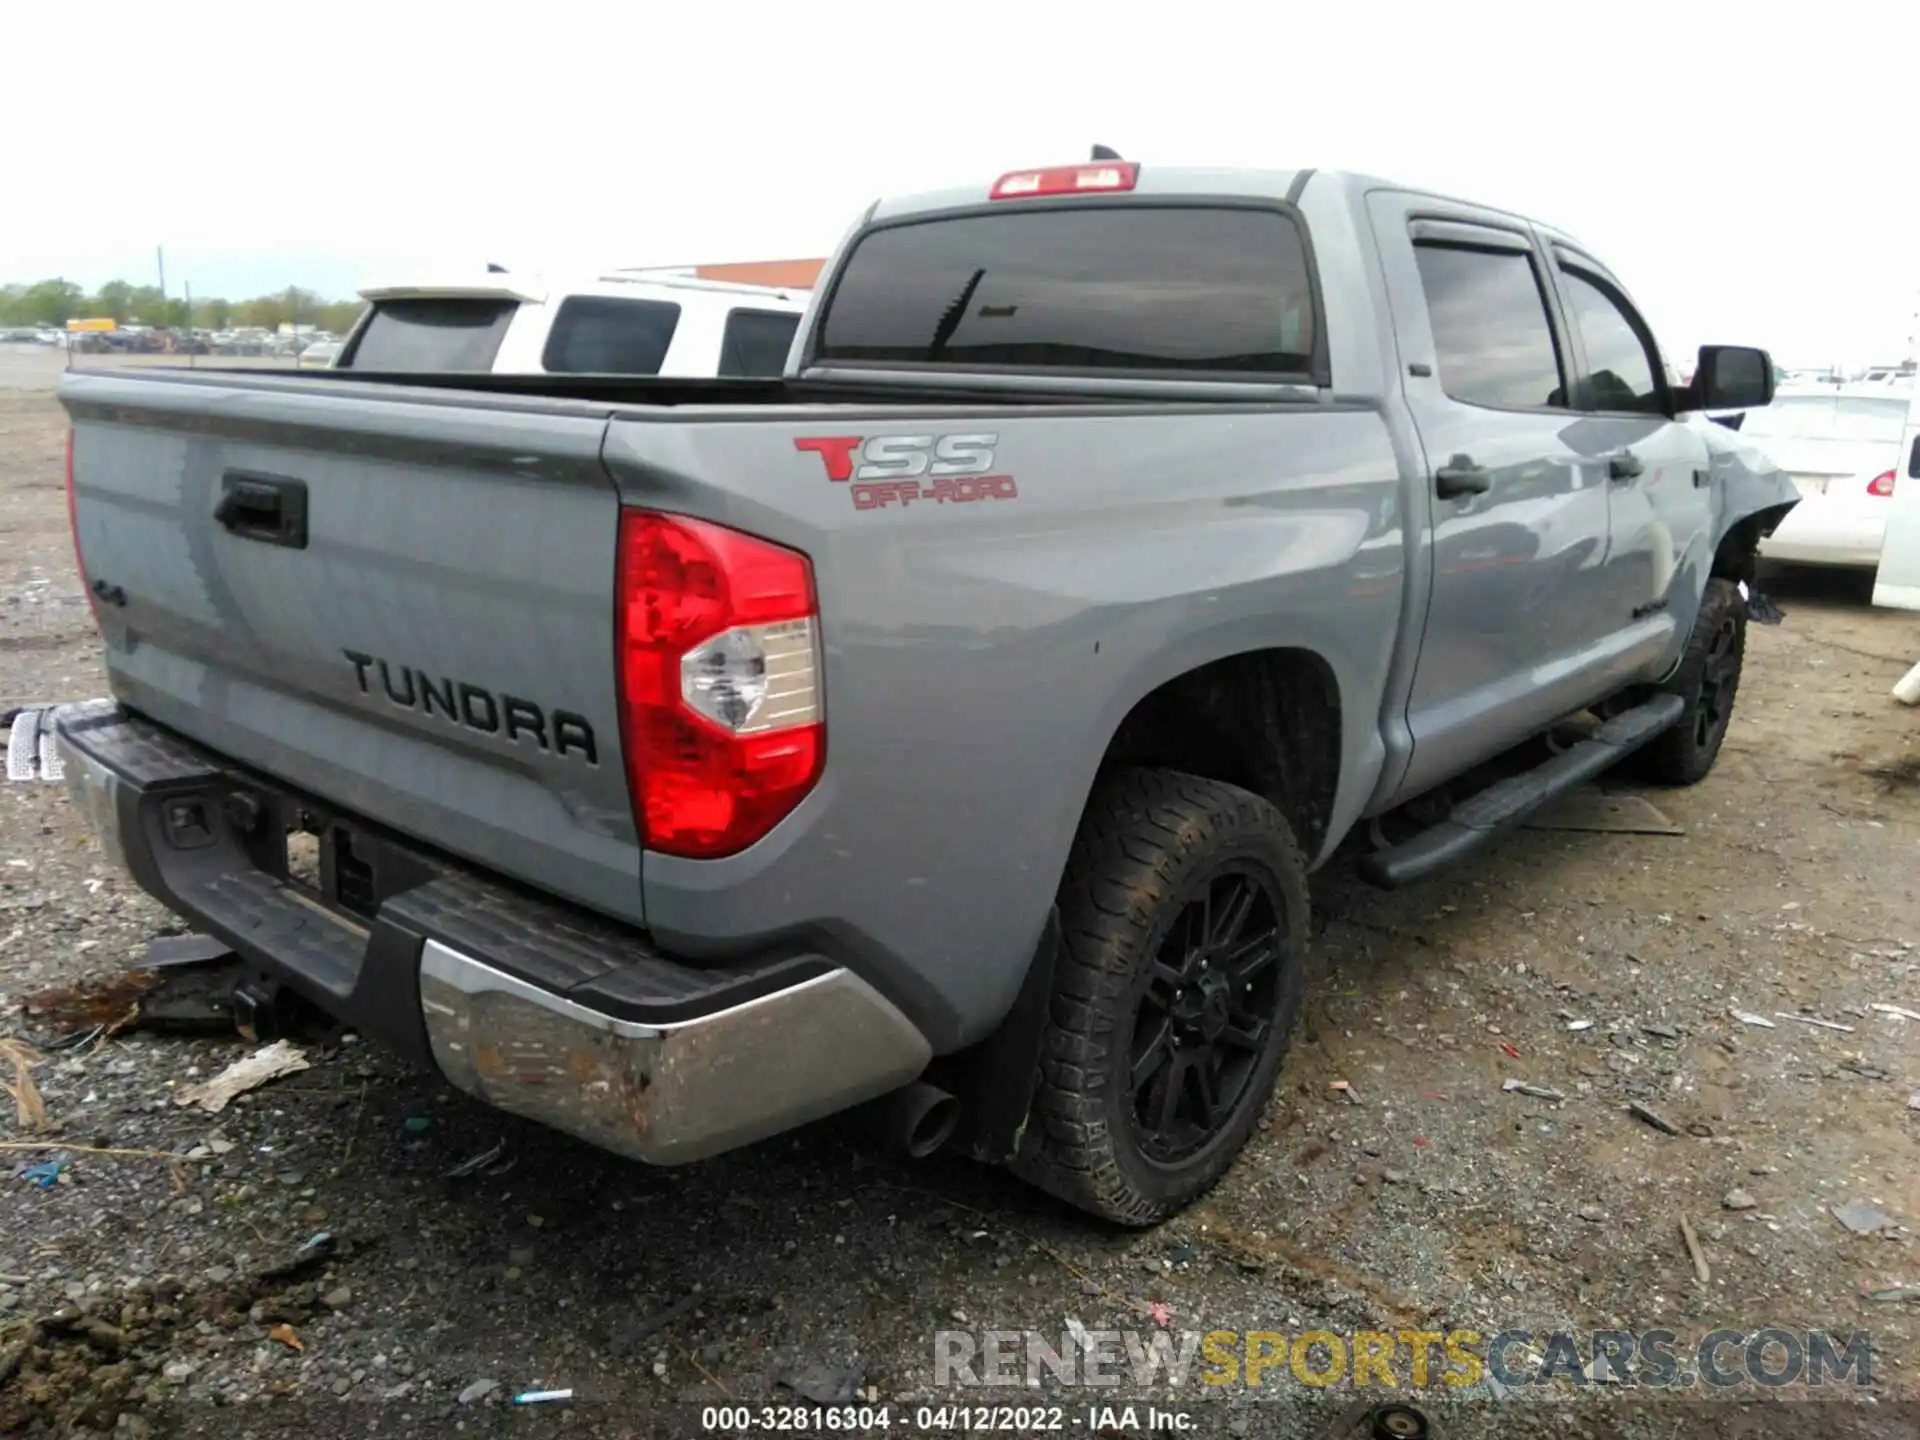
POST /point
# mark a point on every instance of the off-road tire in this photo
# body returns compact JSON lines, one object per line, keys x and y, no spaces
{"x":1150,"y":840}
{"x":1708,"y":679}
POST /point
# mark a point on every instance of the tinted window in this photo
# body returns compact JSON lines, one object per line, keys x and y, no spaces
{"x":1094,"y":287}
{"x":1620,"y":362}
{"x":594,"y":336}
{"x":430,"y":335}
{"x":1490,"y":329}
{"x":756,"y":342}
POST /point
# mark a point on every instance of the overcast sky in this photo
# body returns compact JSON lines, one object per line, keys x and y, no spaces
{"x":1747,"y":170}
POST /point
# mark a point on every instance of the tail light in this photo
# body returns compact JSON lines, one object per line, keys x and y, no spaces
{"x":720,"y":676}
{"x":1066,"y":180}
{"x":1881,"y":484}
{"x":73,"y":524}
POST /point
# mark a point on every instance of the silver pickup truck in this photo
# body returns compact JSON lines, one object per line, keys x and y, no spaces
{"x":952,"y":724}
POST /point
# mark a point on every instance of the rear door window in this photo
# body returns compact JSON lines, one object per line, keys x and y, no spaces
{"x":447,"y":334}
{"x":595,"y":335}
{"x":1491,"y":336}
{"x":756,"y":342}
{"x":1085,"y":287}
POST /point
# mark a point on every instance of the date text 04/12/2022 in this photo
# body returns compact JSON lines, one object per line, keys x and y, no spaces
{"x":944,"y":1419}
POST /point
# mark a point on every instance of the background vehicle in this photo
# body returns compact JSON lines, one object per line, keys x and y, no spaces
{"x":1841,"y":447}
{"x":611,"y":324}
{"x":320,"y":354}
{"x":1897,"y":584}
{"x":690,"y":759}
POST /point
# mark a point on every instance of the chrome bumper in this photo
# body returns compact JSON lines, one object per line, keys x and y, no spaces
{"x":665,"y":1094}
{"x":662,"y":1092}
{"x":94,"y":791}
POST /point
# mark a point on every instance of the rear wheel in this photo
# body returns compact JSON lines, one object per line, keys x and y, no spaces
{"x":1708,"y":680}
{"x":1184,"y":923}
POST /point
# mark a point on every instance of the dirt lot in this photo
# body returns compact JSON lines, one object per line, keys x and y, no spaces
{"x":1604,"y":967}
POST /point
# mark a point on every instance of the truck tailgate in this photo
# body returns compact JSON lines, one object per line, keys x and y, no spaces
{"x":401,"y":605}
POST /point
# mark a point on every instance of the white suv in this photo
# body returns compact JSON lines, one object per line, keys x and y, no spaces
{"x":622,"y":323}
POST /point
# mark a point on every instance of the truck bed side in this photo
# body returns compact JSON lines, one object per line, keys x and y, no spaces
{"x":981,"y":655}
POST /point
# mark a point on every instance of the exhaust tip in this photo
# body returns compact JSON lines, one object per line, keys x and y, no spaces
{"x":938,"y":1114}
{"x":915,"y":1120}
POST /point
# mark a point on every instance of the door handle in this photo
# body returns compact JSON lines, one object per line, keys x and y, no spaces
{"x":263,"y":507}
{"x":1624,"y":466}
{"x":1460,"y":476}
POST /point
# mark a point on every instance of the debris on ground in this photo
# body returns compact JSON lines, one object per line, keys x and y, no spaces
{"x":1815,"y":1020}
{"x":318,"y":1247}
{"x":477,"y":1391}
{"x":1701,"y":1272}
{"x":105,"y":1002}
{"x":824,"y":1384}
{"x":1900,"y":1010}
{"x":1650,"y":1117}
{"x":249,"y":1072}
{"x":46,"y":1174}
{"x":1538,"y":1092}
{"x":1863,"y":1217}
{"x":481,"y":1162}
{"x":1898,"y":1294}
{"x":1748,"y":1017}
{"x":286,"y":1335}
{"x":30,"y":1109}
{"x":541,"y":1397}
{"x":1738,"y":1200}
{"x":1343,"y":1088}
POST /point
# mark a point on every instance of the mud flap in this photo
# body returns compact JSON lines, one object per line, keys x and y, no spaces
{"x":996,"y":1079}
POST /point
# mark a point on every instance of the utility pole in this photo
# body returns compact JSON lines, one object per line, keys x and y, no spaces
{"x":160,"y":259}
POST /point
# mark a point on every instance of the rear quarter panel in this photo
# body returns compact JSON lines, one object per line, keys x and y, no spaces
{"x":980,"y":656}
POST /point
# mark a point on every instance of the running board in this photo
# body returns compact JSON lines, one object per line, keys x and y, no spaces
{"x":1476,"y":820}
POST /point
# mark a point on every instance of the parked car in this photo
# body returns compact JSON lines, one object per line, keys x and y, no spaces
{"x":609,"y":324}
{"x":1897,"y":581}
{"x":320,"y":354}
{"x":954,"y":724}
{"x":1841,"y":446}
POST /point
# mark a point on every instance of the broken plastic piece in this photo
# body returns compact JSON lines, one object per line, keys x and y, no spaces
{"x":46,"y":1174}
{"x":541,"y":1397}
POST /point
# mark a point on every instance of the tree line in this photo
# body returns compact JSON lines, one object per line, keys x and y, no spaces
{"x":54,"y":302}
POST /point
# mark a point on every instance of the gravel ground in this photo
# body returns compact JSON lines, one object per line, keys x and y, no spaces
{"x":145,"y":1291}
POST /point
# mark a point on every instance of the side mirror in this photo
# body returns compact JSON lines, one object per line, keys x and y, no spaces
{"x":1732,"y":377}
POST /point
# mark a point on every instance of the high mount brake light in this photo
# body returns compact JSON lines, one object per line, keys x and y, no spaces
{"x":1105,"y":175}
{"x":720,"y":677}
{"x":1881,"y":484}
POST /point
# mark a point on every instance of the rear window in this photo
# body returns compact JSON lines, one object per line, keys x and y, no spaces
{"x":1829,"y":417}
{"x":596,"y":336}
{"x":756,"y":342}
{"x":1092,"y":287}
{"x":429,"y":335}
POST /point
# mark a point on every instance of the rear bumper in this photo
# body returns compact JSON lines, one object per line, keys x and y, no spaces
{"x":1827,"y":534}
{"x":533,"y":1005}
